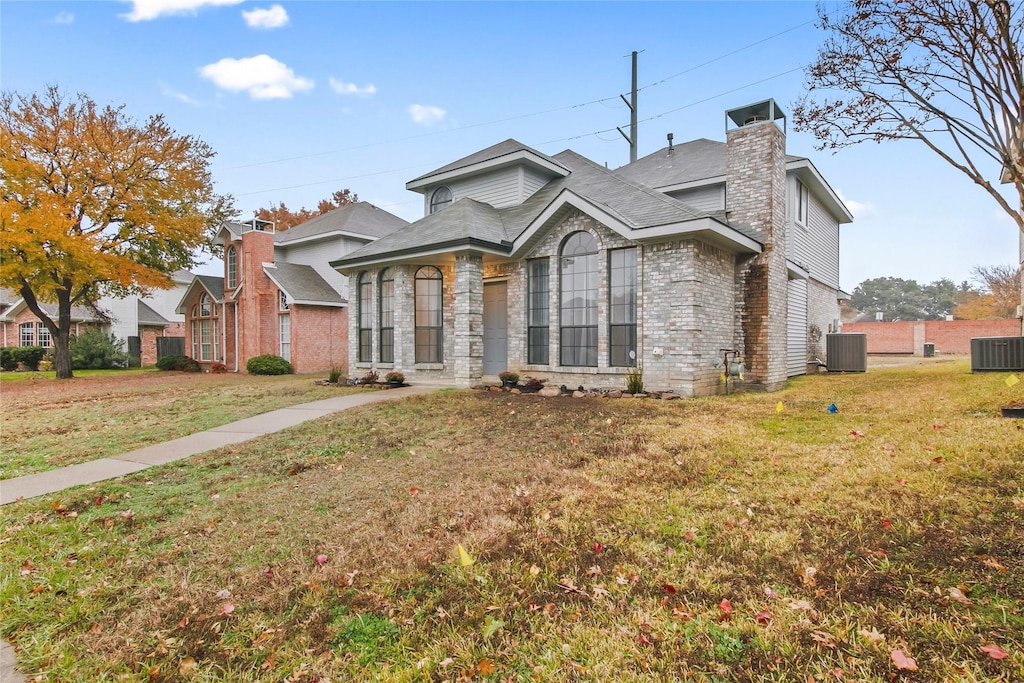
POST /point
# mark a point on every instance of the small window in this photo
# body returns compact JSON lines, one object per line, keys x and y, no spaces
{"x":232,"y":259}
{"x":204,"y":306}
{"x":283,"y":300}
{"x":28,"y":334}
{"x":43,"y":336}
{"x":441,"y":198}
{"x":801,"y":203}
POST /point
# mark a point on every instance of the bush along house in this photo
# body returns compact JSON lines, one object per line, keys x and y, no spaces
{"x":278,"y":294}
{"x":558,"y":268}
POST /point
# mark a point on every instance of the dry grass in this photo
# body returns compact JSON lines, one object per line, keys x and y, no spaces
{"x":49,"y":424}
{"x":606,"y":535}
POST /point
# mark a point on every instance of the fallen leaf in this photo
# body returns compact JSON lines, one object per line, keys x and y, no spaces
{"x":872,"y":636}
{"x":725,"y":607}
{"x":993,"y":651}
{"x":413,"y":490}
{"x":187,"y":666}
{"x":901,"y":482}
{"x":993,"y":563}
{"x":938,"y":426}
{"x":321,"y":559}
{"x":598,"y":548}
{"x":824,"y":639}
{"x":599,"y":590}
{"x":689,"y":535}
{"x":903,"y":661}
{"x":595,"y":571}
{"x":227,"y":608}
{"x":534,"y":570}
{"x":938,"y":460}
{"x":886,"y":524}
{"x":958,"y":595}
{"x":763,"y":617}
{"x":856,"y":433}
{"x":807,"y":576}
{"x":643,"y":640}
{"x":451,"y":420}
{"x":485,"y":667}
{"x":574,"y":441}
{"x":492,"y":626}
{"x":668,"y":588}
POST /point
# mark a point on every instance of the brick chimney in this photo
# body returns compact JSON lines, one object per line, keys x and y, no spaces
{"x":257,"y":302}
{"x":756,"y":198}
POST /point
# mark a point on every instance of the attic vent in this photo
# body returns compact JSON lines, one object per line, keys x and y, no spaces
{"x":754,"y":119}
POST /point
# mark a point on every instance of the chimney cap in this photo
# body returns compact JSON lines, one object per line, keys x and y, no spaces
{"x":768,"y":110}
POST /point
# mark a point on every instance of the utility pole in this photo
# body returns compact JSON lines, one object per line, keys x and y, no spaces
{"x":631,"y":103}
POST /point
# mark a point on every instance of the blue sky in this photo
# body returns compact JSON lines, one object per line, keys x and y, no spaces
{"x":302,"y":98}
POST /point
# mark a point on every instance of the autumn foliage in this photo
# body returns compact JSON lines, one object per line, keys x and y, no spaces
{"x":285,"y":218}
{"x":95,"y":202}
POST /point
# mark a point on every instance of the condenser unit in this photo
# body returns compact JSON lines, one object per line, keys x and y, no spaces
{"x":847,"y":352}
{"x":997,"y":354}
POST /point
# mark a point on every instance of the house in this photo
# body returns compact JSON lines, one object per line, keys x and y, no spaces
{"x":278,"y":294}
{"x":137,"y":320}
{"x":559,"y":268}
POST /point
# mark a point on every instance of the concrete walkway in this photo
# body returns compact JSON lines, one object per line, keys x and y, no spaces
{"x":109,"y":468}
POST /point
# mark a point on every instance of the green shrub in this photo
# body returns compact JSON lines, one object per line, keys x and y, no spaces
{"x":269,"y":364}
{"x":335,"y":375}
{"x":394,"y":377}
{"x":635,"y":380}
{"x":9,"y":358}
{"x":29,"y":356}
{"x":178,"y":363}
{"x":94,"y":350}
{"x":509,"y":379}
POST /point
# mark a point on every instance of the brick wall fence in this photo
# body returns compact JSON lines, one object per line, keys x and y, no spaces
{"x":949,"y":336}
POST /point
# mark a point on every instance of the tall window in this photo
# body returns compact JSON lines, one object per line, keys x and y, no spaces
{"x":428,"y":315}
{"x":441,"y":198}
{"x":365,"y":319}
{"x":578,"y":266}
{"x":205,"y":332}
{"x":27,"y":336}
{"x":386,"y":307}
{"x":43,"y":336}
{"x":286,"y":335}
{"x":801,"y":203}
{"x":537,"y":329}
{"x":622,"y":308}
{"x":232,"y":257}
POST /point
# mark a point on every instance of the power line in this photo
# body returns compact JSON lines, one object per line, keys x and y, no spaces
{"x":530,"y":114}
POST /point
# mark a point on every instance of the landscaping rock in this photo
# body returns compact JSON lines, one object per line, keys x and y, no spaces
{"x":669,"y":396}
{"x":579,"y":394}
{"x":614,"y":393}
{"x":513,"y":390}
{"x":495,"y":390}
{"x":549,"y":392}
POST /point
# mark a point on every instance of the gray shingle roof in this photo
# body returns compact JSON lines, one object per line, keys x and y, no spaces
{"x":688,"y":162}
{"x":214,"y":285}
{"x":302,"y":283}
{"x":147,"y":316}
{"x":501,"y":149}
{"x":465,"y":221}
{"x":361,"y":218}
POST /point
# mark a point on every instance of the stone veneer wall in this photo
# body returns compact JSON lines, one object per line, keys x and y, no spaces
{"x":756,"y":197}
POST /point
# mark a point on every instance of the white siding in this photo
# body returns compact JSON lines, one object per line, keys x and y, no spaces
{"x":319,"y":254}
{"x":796,"y":337}
{"x":710,"y":198}
{"x":814,"y":245}
{"x":499,"y":189}
{"x":534,"y":180}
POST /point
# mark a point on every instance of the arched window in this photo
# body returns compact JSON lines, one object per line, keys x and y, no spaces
{"x":365,"y":288}
{"x":578,"y":286}
{"x":205,"y":330}
{"x":386,"y":309}
{"x":441,"y":198}
{"x":232,"y":260}
{"x":428,"y":315}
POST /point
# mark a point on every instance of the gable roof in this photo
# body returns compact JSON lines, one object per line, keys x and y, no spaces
{"x":302,"y":284}
{"x":79,"y":314}
{"x":635,"y":210}
{"x":358,"y":219}
{"x":213,"y":285}
{"x":504,"y":153}
{"x":147,"y":316}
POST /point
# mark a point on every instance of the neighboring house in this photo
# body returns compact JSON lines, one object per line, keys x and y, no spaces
{"x":278,"y":294}
{"x":145,"y":317}
{"x":559,"y":268}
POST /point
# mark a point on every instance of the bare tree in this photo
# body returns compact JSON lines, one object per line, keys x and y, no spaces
{"x":947,"y":73}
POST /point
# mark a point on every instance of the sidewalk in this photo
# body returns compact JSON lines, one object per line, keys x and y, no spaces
{"x":91,"y":472}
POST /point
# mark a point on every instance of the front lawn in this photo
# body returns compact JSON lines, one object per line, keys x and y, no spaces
{"x":103,"y":413}
{"x":755,"y":537}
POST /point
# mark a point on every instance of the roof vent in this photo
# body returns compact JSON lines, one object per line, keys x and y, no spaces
{"x":752,"y":114}
{"x":670,"y":147}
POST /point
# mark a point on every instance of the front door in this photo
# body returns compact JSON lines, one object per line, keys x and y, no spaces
{"x":495,"y":327}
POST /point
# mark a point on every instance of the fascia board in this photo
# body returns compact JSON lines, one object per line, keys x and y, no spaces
{"x":324,"y":236}
{"x":488,"y":165}
{"x":707,"y":227}
{"x":690,"y":184}
{"x":796,"y":271}
{"x":188,"y":293}
{"x":805,"y":171}
{"x":311,"y":302}
{"x":412,"y":254}
{"x":570,"y":198}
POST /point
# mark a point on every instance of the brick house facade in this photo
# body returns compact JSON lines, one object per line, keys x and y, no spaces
{"x":277,"y":294}
{"x":558,"y":268}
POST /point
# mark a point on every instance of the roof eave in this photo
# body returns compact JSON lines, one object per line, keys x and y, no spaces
{"x":522,"y":155}
{"x":345,"y":265}
{"x":805,"y":170}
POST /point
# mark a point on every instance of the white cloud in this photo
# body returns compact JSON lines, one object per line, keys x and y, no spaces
{"x":343,"y":88}
{"x":144,"y":10}
{"x":274,"y":17}
{"x":858,"y":209}
{"x":262,"y":76}
{"x":64,"y":18}
{"x":426,"y":114}
{"x":168,"y":91}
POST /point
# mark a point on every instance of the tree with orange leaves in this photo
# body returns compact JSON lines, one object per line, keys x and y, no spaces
{"x":94,"y":203}
{"x":284,"y":218}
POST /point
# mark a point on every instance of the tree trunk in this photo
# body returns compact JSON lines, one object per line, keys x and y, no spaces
{"x":62,"y":354}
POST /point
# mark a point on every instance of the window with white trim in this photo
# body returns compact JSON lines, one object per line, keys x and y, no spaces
{"x":365,"y":288}
{"x":429,"y":331}
{"x":440,"y":198}
{"x":386,"y":312}
{"x":27,"y":334}
{"x":205,"y":330}
{"x":286,"y":336}
{"x":43,"y":337}
{"x":232,"y":261}
{"x":537,"y":322}
{"x":578,"y":310}
{"x":801,"y":203}
{"x":622,"y":307}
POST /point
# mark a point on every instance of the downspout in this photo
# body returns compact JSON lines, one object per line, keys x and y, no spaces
{"x":223,"y":332}
{"x":236,"y":336}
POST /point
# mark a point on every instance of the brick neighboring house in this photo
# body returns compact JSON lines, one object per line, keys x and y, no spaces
{"x":559,"y":268}
{"x":145,"y":317}
{"x":278,"y":294}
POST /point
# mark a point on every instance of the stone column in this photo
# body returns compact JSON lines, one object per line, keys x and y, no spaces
{"x":469,"y":318}
{"x":756,"y":197}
